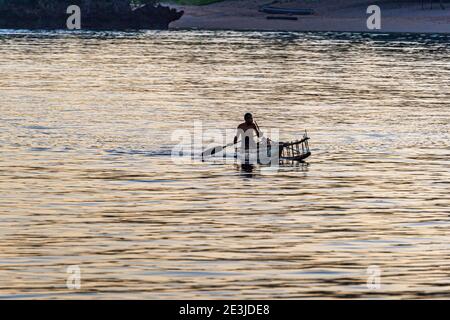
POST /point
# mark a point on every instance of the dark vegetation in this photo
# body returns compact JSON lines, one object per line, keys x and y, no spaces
{"x":95,"y":14}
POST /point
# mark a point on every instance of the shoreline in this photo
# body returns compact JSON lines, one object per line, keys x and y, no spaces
{"x":12,"y":31}
{"x":339,"y":16}
{"x":312,"y":31}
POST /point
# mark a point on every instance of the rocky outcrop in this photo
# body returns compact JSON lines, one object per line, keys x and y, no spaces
{"x":95,"y":14}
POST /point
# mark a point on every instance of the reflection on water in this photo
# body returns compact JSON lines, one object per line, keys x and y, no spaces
{"x":86,"y":176}
{"x":247,"y":170}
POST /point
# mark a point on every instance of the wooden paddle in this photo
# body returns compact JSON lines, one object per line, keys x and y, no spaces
{"x":214,"y":150}
{"x":257,"y":127}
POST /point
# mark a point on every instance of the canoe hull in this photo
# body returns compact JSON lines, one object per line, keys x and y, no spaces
{"x":297,"y":158}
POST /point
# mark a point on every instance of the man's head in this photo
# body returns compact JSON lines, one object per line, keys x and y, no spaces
{"x":248,"y":118}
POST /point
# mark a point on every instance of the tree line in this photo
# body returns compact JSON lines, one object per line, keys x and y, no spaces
{"x":87,"y":5}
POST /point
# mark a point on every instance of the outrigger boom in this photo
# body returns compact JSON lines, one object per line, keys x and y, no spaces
{"x":295,"y":150}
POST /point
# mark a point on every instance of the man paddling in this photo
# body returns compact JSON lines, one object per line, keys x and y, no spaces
{"x":245,"y":130}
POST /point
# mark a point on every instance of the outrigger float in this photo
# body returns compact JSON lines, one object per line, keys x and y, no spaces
{"x":294,"y":151}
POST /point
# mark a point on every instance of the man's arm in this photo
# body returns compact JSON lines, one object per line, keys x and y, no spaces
{"x":258,"y":133}
{"x":238,"y":134}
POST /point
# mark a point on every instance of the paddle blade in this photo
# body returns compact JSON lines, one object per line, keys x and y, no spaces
{"x":212,"y":151}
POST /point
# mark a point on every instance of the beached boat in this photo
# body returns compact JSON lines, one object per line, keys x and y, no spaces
{"x":281,"y":18}
{"x":291,"y":11}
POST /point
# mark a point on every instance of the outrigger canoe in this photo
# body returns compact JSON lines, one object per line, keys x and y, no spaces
{"x":297,"y":150}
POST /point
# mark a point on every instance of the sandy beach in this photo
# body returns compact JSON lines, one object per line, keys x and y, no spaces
{"x":339,"y":15}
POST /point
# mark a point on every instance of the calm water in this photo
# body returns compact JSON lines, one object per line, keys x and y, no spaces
{"x":86,"y":176}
